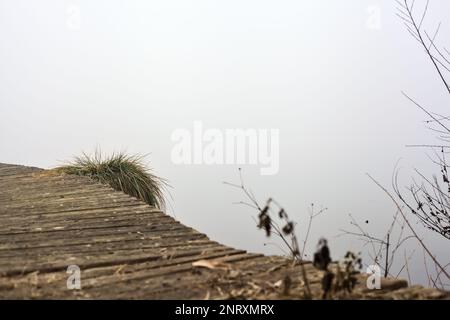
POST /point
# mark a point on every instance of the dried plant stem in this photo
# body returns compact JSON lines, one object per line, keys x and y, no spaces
{"x":386,"y":269}
{"x":272,"y":227}
{"x":442,"y":269}
{"x":417,"y":34}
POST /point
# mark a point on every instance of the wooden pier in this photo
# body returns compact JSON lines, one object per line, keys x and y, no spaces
{"x":126,"y":249}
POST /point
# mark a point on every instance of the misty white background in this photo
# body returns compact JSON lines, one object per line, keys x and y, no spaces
{"x":123,"y":75}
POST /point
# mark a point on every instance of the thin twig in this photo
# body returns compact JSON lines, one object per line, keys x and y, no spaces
{"x":410,"y":226}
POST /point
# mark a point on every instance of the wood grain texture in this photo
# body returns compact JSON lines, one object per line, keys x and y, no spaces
{"x":129,"y":250}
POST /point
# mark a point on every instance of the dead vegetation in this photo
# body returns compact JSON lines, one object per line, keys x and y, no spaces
{"x":337,"y":280}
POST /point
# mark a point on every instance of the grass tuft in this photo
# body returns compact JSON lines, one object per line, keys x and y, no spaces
{"x":122,"y":172}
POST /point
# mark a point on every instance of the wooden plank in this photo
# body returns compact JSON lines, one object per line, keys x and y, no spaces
{"x":125,"y":248}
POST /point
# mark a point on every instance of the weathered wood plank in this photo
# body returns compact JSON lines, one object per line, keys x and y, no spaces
{"x":125,"y":248}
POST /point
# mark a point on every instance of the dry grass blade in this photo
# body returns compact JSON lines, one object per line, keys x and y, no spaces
{"x":211,"y":264}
